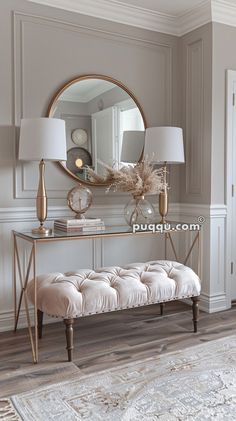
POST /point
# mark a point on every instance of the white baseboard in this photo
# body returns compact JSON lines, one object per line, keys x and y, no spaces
{"x":213,"y":303}
{"x":7,"y":320}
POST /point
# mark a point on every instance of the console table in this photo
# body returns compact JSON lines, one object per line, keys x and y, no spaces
{"x":31,"y":264}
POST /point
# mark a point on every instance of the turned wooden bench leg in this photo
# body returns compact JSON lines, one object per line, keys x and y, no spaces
{"x":40,"y":324}
{"x":162,"y":305}
{"x":195,"y":308}
{"x":69,"y":337}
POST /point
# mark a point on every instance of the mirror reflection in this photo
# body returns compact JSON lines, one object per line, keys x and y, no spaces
{"x":98,"y":113}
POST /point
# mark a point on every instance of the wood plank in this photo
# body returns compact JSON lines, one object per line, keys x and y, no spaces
{"x":105,"y":341}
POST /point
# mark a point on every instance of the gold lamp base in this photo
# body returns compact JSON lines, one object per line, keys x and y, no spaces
{"x":163,"y":198}
{"x":41,"y":203}
{"x":163,"y":206}
{"x":41,"y":230}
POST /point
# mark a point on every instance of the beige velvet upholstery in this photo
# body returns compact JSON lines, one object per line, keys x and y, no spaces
{"x":86,"y":291}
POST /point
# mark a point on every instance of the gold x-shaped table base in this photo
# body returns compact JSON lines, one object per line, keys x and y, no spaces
{"x":18,"y":270}
{"x":195,"y":242}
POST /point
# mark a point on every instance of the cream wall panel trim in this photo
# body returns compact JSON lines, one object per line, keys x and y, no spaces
{"x":118,"y":11}
{"x":188,"y":209}
{"x":110,"y":211}
{"x":222,"y":11}
{"x":213,"y":303}
{"x":194,"y":18}
{"x":215,"y":280}
{"x":230,"y":179}
{"x":7,"y":320}
{"x":194,"y":118}
{"x":20,"y":214}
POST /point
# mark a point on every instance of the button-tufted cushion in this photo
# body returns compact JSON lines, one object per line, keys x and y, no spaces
{"x":85,"y":291}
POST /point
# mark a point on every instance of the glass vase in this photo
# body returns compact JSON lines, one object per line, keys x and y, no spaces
{"x":139,"y":211}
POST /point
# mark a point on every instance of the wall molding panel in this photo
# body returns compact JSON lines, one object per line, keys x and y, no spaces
{"x":213,"y":273}
{"x":24,"y":27}
{"x":194,"y":117}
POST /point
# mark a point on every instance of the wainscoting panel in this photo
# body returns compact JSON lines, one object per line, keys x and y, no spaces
{"x":215,"y":289}
{"x":60,"y":257}
{"x":197,"y":115}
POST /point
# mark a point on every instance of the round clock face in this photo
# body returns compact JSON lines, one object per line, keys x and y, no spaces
{"x":79,"y":199}
{"x":79,"y":136}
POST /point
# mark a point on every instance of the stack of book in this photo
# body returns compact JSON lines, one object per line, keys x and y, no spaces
{"x":80,"y":225}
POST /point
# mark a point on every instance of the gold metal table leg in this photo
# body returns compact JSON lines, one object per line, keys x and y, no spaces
{"x":196,"y":240}
{"x":23,"y":295}
{"x":35,"y":305}
{"x":191,"y":248}
{"x":172,"y":246}
{"x":166,"y":238}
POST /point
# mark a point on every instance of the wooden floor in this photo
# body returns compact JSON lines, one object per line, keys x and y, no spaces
{"x":105,"y":341}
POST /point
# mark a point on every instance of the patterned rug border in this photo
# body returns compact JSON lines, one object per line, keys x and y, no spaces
{"x":8,"y":412}
{"x":122,"y":366}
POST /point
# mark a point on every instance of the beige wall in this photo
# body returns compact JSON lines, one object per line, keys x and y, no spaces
{"x":41,"y":48}
{"x":196,"y":64}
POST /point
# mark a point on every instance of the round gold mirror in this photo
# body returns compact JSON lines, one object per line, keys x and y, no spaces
{"x":101,"y":114}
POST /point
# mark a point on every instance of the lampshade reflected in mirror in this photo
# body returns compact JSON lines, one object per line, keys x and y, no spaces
{"x":132,"y":146}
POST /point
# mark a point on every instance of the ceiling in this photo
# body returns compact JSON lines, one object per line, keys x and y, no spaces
{"x":175,"y":17}
{"x":88,"y":89}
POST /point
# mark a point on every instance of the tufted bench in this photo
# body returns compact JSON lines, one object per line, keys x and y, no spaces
{"x":86,"y":292}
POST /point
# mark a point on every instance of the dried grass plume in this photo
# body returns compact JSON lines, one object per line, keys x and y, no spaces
{"x":139,"y":180}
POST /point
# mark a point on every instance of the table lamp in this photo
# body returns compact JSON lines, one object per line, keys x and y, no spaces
{"x":132,"y":146}
{"x":42,"y":139}
{"x":164,"y":145}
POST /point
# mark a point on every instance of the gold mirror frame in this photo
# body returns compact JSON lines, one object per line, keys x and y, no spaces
{"x":52,"y":103}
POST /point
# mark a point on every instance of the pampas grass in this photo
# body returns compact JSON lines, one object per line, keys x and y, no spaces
{"x":138,"y":180}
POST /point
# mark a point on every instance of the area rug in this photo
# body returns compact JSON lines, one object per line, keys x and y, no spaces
{"x":195,"y":384}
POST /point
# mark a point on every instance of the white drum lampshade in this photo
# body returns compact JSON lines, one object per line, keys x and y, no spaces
{"x":164,"y":144}
{"x":42,"y":139}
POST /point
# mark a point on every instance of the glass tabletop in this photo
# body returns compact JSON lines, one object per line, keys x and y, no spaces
{"x":112,"y":230}
{"x":56,"y":233}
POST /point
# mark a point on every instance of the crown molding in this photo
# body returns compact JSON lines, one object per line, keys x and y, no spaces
{"x":194,"y":18}
{"x":222,"y":11}
{"x":117,"y":11}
